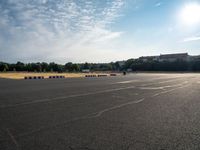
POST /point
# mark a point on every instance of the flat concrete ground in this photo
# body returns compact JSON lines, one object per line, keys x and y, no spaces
{"x":133,"y":112}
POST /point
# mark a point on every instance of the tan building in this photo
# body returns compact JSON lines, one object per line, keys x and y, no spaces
{"x":174,"y":57}
{"x":149,"y":58}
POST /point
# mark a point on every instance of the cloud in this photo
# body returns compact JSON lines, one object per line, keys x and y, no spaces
{"x":190,"y":39}
{"x":158,"y":4}
{"x":49,"y":30}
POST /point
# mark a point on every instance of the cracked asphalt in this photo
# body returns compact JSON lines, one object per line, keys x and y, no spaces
{"x":133,"y":112}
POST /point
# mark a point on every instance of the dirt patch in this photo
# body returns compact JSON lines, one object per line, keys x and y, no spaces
{"x":21,"y":75}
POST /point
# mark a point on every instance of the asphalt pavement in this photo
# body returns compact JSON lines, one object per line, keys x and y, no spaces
{"x":132,"y":112}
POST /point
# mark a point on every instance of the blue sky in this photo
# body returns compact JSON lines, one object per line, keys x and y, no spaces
{"x":97,"y":30}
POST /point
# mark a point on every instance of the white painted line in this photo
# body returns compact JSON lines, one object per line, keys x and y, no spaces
{"x":116,"y":107}
{"x":66,"y":97}
{"x":98,"y":114}
{"x":147,"y":84}
{"x":151,"y":88}
{"x":154,"y":79}
{"x":163,"y":87}
{"x":129,"y":81}
{"x":12,"y":137}
{"x":157,"y":94}
{"x":89,"y":116}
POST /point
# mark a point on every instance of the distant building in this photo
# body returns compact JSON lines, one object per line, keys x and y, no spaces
{"x":174,"y":57}
{"x":168,"y":57}
{"x":149,"y":58}
{"x":194,"y":58}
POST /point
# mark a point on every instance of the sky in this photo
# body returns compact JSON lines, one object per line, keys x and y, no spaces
{"x":97,"y":30}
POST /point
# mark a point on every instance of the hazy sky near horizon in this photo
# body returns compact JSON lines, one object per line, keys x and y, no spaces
{"x":97,"y":30}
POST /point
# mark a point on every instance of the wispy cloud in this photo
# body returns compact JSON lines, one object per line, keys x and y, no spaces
{"x":190,"y":39}
{"x":51,"y":30}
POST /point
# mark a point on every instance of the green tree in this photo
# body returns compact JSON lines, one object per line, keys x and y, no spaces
{"x":20,"y":66}
{"x":44,"y":66}
{"x":76,"y":67}
{"x":6,"y":68}
{"x":53,"y":66}
{"x":69,"y":66}
{"x":86,"y":66}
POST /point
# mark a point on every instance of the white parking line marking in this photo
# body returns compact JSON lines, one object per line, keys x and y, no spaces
{"x":129,"y":81}
{"x":160,"y":82}
{"x":116,"y":107}
{"x":12,"y":137}
{"x":66,"y":97}
{"x":154,"y":79}
{"x":151,"y":88}
{"x":89,"y":116}
{"x":157,"y":94}
{"x":163,"y":87}
{"x":98,"y":114}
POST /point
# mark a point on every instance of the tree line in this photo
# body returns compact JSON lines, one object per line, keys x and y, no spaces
{"x":130,"y":65}
{"x":54,"y":67}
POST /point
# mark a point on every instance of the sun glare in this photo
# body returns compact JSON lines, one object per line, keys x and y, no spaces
{"x":190,"y":14}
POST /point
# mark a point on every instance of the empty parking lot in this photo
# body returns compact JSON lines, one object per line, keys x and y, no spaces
{"x":133,"y":112}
